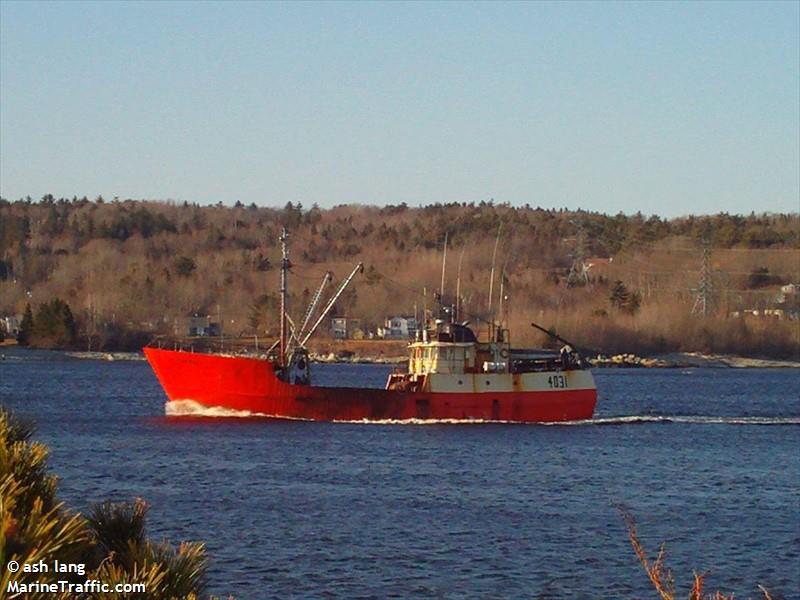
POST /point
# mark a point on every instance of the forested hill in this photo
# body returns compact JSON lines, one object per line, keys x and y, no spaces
{"x":127,"y":266}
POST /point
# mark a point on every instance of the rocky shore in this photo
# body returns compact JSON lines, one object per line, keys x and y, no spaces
{"x":677,"y":360}
{"x":687,"y":360}
{"x":110,"y":356}
{"x":354,"y":358}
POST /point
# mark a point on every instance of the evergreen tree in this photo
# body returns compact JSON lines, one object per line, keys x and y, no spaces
{"x":68,"y":325}
{"x":55,"y":325}
{"x":26,"y":327}
{"x":184,"y":266}
{"x":624,"y":300}
{"x":619,"y":295}
{"x":110,"y":541}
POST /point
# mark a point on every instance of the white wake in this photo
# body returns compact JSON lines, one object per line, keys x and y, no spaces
{"x":190,"y":408}
{"x":687,"y":419}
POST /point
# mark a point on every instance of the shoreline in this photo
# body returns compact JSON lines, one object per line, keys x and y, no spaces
{"x":689,"y":360}
{"x":674,"y":360}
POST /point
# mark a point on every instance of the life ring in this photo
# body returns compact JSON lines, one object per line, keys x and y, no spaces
{"x":504,"y":353}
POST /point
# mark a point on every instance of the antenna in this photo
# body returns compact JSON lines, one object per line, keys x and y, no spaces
{"x":509,"y":252}
{"x":458,"y":281}
{"x":219,"y":325}
{"x":284,"y":270}
{"x":444,"y":265}
{"x":424,"y":306}
{"x":494,"y":258}
{"x":502,"y":286}
{"x":500,"y":302}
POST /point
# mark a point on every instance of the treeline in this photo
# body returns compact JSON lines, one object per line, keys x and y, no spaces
{"x":80,"y":221}
{"x":132,"y":269}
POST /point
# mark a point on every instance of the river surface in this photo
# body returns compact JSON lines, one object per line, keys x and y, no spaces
{"x":707,"y":461}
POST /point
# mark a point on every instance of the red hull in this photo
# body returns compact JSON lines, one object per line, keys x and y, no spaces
{"x":247,"y":384}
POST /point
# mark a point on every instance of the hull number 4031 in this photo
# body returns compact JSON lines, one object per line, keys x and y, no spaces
{"x":557,"y":381}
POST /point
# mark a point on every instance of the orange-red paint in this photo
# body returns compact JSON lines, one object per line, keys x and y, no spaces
{"x":250,"y":384}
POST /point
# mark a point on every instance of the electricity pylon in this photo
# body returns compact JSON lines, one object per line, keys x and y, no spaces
{"x":704,"y":294}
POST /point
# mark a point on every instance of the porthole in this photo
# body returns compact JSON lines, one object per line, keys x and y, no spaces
{"x":487,"y":382}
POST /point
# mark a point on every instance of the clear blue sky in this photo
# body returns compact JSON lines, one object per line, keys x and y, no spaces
{"x":667,"y":108}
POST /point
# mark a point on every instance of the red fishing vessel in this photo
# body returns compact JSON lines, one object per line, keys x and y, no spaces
{"x":450,"y":376}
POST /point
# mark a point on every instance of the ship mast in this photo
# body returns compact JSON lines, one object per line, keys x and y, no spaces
{"x":457,"y":308}
{"x":284,"y":270}
{"x":444,"y":267}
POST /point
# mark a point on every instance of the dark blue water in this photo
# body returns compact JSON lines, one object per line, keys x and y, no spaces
{"x":708,"y":461}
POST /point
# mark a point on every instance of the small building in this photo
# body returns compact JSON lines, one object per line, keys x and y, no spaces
{"x":780,"y":314}
{"x":398,"y":328}
{"x":10,"y":325}
{"x":598,"y":264}
{"x":149,"y":325}
{"x":788,"y":293}
{"x":196,"y":326}
{"x":343,"y":328}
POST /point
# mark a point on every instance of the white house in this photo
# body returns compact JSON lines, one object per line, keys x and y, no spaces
{"x":398,"y":328}
{"x":10,"y":325}
{"x":787,"y":293}
{"x":196,"y":326}
{"x":343,"y":328}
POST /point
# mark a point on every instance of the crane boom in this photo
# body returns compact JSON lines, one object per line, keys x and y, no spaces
{"x":331,"y":302}
{"x":313,"y":306}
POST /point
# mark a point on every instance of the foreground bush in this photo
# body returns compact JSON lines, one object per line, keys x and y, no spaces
{"x":110,"y":542}
{"x":661,"y":577}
